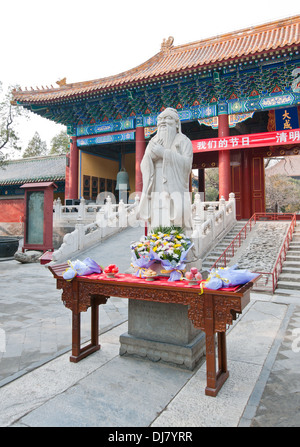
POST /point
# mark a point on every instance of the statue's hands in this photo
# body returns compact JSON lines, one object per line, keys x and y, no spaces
{"x":157,"y":149}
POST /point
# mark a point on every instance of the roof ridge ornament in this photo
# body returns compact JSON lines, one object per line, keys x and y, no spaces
{"x":62,"y":82}
{"x":167,"y":44}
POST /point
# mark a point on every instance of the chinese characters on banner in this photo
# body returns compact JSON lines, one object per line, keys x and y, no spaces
{"x":247,"y":141}
{"x":287,"y":119}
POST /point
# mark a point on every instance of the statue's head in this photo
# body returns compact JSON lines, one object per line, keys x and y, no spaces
{"x":169,"y":118}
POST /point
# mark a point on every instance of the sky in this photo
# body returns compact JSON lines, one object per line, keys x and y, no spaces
{"x":43,"y":42}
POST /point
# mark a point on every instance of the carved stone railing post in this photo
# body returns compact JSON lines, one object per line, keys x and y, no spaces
{"x":199,"y":207}
{"x":222,"y":209}
{"x":80,"y":235}
{"x":57,"y":209}
{"x":82,"y":209}
{"x":122,"y":215}
{"x":232,"y":201}
{"x":100,"y":218}
{"x":197,"y":233}
{"x":108,"y":208}
{"x":210,"y":214}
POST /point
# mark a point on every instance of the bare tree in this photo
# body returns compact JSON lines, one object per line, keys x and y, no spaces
{"x":9,"y":111}
{"x":282,"y":193}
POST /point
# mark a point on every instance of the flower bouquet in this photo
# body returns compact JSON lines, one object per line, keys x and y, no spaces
{"x":168,"y":246}
{"x":228,"y":277}
{"x":80,"y":268}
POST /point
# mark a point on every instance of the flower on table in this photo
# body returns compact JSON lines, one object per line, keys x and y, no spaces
{"x":166,"y":243}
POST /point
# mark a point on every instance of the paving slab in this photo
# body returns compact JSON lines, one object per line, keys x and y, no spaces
{"x":39,"y":386}
{"x":112,"y":391}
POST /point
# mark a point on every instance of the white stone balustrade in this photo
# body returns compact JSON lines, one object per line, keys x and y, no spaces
{"x":211,"y":220}
{"x":85,"y":211}
{"x":108,"y":219}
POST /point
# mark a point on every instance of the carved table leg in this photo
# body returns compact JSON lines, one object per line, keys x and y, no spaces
{"x":75,"y":336}
{"x":215,"y":379}
{"x":222,"y":354}
{"x":95,"y":324}
{"x":211,"y":376}
{"x":79,"y":353}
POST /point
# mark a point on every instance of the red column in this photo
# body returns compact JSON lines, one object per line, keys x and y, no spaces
{"x":140,"y":146}
{"x":246,"y":186}
{"x":73,"y":173}
{"x":224,"y":160}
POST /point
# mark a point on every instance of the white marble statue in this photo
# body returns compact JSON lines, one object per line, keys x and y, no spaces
{"x":166,"y":169}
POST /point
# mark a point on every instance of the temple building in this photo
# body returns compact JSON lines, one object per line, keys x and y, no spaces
{"x":27,"y":170}
{"x":237,"y":96}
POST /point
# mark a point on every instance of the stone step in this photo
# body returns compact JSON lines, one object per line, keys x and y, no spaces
{"x":293,"y":264}
{"x":287,"y":292}
{"x":294,"y":246}
{"x":286,"y":276}
{"x":221,"y":247}
{"x":217,"y":252}
{"x":288,"y":285}
{"x":293,"y":270}
{"x":210,"y":261}
{"x":228,"y":239}
{"x":290,"y":256}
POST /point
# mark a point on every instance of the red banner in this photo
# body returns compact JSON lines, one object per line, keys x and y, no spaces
{"x":247,"y":141}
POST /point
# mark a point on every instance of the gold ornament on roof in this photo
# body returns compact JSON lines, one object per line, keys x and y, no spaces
{"x":62,"y":82}
{"x":167,"y":44}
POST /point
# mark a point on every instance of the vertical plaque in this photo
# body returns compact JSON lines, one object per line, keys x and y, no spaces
{"x":35,"y":217}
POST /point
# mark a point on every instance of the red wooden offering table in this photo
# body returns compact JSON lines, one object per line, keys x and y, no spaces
{"x":212,"y":311}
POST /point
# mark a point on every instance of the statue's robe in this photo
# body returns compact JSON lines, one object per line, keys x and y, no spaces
{"x":169,"y":178}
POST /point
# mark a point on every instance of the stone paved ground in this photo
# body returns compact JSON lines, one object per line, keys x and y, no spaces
{"x":280,"y":402}
{"x":276,"y":395}
{"x":34,"y":324}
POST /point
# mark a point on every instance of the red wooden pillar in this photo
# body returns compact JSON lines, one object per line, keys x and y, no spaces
{"x":140,"y":146}
{"x":246,"y":185}
{"x":224,"y":160}
{"x":73,"y":172}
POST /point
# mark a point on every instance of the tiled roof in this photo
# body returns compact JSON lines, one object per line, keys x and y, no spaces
{"x":175,"y":59}
{"x":289,"y":166}
{"x":37,"y":169}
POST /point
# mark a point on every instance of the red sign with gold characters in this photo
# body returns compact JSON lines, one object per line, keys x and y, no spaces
{"x":247,"y":141}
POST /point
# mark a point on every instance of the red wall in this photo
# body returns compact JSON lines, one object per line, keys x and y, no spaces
{"x":12,"y":210}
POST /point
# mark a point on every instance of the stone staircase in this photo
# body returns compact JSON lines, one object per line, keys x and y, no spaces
{"x":216,"y":252}
{"x":289,"y":278}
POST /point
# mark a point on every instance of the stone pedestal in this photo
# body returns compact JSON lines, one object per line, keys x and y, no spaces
{"x":162,"y":332}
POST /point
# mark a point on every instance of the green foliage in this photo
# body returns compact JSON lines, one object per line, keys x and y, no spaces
{"x":211,"y":184}
{"x":60,"y":143}
{"x":166,"y":230}
{"x":36,"y":147}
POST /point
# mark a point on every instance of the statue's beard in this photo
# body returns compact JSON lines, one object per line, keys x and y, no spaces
{"x":167,"y":135}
